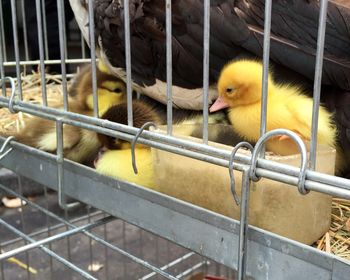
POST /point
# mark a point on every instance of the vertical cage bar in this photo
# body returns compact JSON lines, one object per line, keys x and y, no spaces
{"x":20,"y":191}
{"x":93,"y":57}
{"x":317,"y":81}
{"x":169,"y":67}
{"x":16,"y":47}
{"x":48,"y":226}
{"x":206,"y":43}
{"x":244,"y":212}
{"x":128,"y":60}
{"x":41,"y":51}
{"x":25,"y":35}
{"x":82,"y":41}
{"x":105,"y":236}
{"x":64,"y":28}
{"x":2,"y":270}
{"x":63,"y":54}
{"x":2,"y":68}
{"x":88,"y":208}
{"x":266,"y":58}
{"x":2,"y":30}
{"x":43,"y":9}
{"x":60,"y":171}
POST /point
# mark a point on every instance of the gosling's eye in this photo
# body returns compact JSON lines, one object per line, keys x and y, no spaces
{"x":229,"y":90}
{"x":118,"y":90}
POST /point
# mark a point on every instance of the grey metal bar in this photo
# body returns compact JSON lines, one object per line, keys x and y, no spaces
{"x":63,"y":54}
{"x":317,"y":81}
{"x":19,"y":183}
{"x":25,"y":35}
{"x":60,"y":171}
{"x":53,"y":238}
{"x":41,"y":50}
{"x":93,"y":57}
{"x":64,"y":27}
{"x":266,"y":58}
{"x":192,"y":269}
{"x":169,"y":265}
{"x":96,"y":238}
{"x":2,"y":33}
{"x":16,"y":47}
{"x":2,"y":69}
{"x":49,"y":252}
{"x":128,"y":60}
{"x":207,"y":233}
{"x":49,"y":62}
{"x":280,"y":172}
{"x":206,"y":43}
{"x":83,"y":51}
{"x":43,"y":8}
{"x":39,"y":232}
{"x":243,"y":229}
{"x":169,"y":67}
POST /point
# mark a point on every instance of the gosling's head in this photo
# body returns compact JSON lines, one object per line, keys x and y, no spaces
{"x":240,"y":83}
{"x":142,"y":113}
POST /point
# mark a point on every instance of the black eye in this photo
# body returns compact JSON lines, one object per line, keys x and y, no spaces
{"x":229,"y":90}
{"x":118,"y":90}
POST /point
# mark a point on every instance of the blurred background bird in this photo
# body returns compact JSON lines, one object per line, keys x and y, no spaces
{"x":239,"y":88}
{"x":236,"y":31}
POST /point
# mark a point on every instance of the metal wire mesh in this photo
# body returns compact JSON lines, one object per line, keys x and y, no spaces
{"x":42,"y":241}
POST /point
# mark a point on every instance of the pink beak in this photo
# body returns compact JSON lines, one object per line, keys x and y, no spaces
{"x":219,"y":104}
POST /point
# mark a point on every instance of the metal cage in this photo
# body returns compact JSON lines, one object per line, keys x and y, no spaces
{"x":114,"y":227}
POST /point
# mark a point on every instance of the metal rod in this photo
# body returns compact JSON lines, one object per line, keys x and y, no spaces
{"x":266,"y":168}
{"x":16,"y":47}
{"x":43,"y":8}
{"x":96,"y":238}
{"x":265,"y":76}
{"x":53,"y":238}
{"x":20,"y":191}
{"x":2,"y":33}
{"x":206,"y":43}
{"x":49,"y":252}
{"x":192,"y":269}
{"x":63,"y":54}
{"x":169,"y":265}
{"x":128,"y":60}
{"x":243,"y":229}
{"x":25,"y":35}
{"x":60,"y":171}
{"x":93,"y":57}
{"x":318,"y":79}
{"x":82,"y":41}
{"x":41,"y":51}
{"x":2,"y":69}
{"x":169,"y":67}
{"x":39,"y":232}
{"x":49,"y":62}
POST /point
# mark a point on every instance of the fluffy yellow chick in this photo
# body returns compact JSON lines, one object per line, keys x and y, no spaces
{"x":115,"y":158}
{"x":240,"y":87}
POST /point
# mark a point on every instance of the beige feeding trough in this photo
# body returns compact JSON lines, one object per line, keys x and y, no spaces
{"x":274,"y":206}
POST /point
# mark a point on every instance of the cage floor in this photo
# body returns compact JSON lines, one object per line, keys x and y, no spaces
{"x":83,"y":252}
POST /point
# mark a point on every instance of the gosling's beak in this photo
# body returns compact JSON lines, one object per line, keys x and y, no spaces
{"x":219,"y":104}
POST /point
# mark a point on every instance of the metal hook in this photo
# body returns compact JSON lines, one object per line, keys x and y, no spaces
{"x":13,"y":94}
{"x":302,"y":148}
{"x":3,"y":147}
{"x":133,"y":143}
{"x":230,"y":168}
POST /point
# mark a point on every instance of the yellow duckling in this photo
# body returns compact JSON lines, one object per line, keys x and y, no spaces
{"x":79,"y":145}
{"x":115,"y":158}
{"x":240,"y":86}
